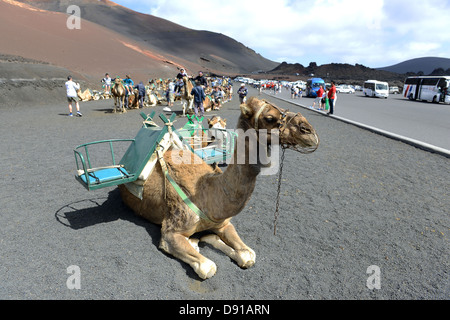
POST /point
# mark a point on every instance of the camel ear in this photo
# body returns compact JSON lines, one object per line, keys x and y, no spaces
{"x":246,"y":111}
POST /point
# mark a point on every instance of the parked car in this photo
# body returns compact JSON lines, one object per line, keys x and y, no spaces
{"x":343,"y":88}
{"x":394,"y":90}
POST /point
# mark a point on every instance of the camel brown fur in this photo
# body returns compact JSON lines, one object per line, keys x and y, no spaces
{"x":220,"y":195}
{"x":85,"y":96}
{"x":133,"y":100}
{"x":118,"y":92}
{"x":187,"y":96}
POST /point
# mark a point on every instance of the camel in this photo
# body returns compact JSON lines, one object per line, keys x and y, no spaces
{"x":219,"y":195}
{"x":151,"y":99}
{"x":118,"y":92}
{"x":133,"y":101}
{"x":217,"y":122}
{"x":187,"y":95}
{"x":85,"y":96}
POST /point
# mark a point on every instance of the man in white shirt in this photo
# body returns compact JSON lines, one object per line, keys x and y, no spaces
{"x":72,"y":96}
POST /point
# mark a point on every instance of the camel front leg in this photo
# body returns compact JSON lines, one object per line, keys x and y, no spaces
{"x":228,"y":241}
{"x":187,"y":250}
{"x":124,"y":110}
{"x":184,"y":109}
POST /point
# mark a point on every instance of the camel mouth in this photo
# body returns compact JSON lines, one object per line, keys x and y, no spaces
{"x":300,"y":136}
{"x":306,"y":146}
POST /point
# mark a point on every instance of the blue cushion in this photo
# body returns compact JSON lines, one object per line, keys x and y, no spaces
{"x":104,"y":175}
{"x":209,"y":153}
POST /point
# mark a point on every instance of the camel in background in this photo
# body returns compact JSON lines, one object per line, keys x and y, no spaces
{"x":85,"y":96}
{"x":118,"y":92}
{"x":187,"y":96}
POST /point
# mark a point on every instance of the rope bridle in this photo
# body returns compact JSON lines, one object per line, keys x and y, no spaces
{"x":282,"y":127}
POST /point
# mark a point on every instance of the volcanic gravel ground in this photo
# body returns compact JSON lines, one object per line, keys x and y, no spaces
{"x":360,"y":200}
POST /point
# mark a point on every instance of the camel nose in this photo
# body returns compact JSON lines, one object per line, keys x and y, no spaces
{"x":305,"y":128}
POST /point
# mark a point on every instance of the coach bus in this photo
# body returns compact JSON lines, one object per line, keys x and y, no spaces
{"x":374,"y":88}
{"x":313,"y":85}
{"x":428,"y":88}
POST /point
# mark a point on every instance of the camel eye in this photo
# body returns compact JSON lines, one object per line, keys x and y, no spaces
{"x":270,"y":119}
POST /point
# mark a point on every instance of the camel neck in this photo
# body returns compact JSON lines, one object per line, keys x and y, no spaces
{"x":238,"y":181}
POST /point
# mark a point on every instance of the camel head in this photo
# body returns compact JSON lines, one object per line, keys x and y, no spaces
{"x":294,"y":131}
{"x":217,"y":122}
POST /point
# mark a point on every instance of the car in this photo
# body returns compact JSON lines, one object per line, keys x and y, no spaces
{"x":394,"y":90}
{"x":343,"y":88}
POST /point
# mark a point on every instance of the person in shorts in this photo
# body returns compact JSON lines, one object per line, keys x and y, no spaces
{"x":72,"y":96}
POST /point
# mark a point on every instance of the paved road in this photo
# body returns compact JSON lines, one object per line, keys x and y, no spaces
{"x":422,"y":121}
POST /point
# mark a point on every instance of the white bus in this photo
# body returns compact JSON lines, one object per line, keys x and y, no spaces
{"x":374,"y":88}
{"x":430,"y":88}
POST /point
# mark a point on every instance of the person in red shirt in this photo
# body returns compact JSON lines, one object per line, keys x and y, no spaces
{"x":332,"y":97}
{"x":320,"y":93}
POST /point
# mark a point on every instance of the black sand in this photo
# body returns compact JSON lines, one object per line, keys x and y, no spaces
{"x":360,"y":200}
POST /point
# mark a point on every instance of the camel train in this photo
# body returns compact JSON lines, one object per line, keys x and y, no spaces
{"x":122,"y":101}
{"x":164,"y":181}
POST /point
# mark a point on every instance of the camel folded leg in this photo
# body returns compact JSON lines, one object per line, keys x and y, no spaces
{"x":187,"y":250}
{"x":228,"y":241}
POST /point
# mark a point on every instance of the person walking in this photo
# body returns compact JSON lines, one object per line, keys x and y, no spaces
{"x":332,"y":97}
{"x":72,"y":96}
{"x":199,"y":97}
{"x":141,"y":94}
{"x":242,"y":92}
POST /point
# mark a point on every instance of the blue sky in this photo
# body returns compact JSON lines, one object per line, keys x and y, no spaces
{"x":374,"y":33}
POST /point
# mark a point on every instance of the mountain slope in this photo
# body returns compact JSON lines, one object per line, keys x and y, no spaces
{"x":90,"y":51}
{"x":210,"y":51}
{"x":426,"y":65}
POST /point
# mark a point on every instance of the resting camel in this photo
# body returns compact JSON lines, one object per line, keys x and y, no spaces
{"x":133,"y":100}
{"x":219,"y":195}
{"x":85,"y":96}
{"x":118,"y":92}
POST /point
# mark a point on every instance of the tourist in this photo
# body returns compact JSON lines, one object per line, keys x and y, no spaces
{"x":141,"y":94}
{"x":319,"y":97}
{"x":242,"y":92}
{"x":332,"y":97}
{"x":170,"y":93}
{"x":180,"y":83}
{"x":128,"y":84}
{"x":107,"y":83}
{"x":217,"y":96}
{"x":199,"y":97}
{"x":72,"y":96}
{"x":201,"y":78}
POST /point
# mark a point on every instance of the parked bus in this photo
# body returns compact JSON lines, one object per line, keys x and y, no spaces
{"x":431,"y":89}
{"x":377,"y":89}
{"x":313,"y":85}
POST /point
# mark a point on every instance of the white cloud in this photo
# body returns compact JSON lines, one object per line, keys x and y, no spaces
{"x":374,"y":33}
